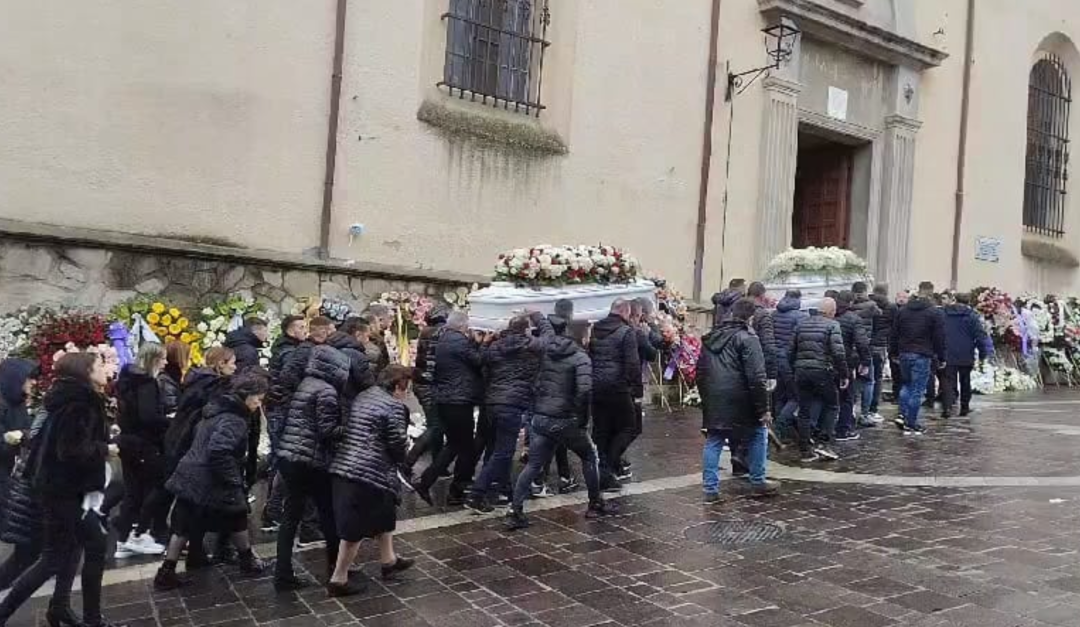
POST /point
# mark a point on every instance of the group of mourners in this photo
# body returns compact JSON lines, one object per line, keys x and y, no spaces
{"x":187,"y":441}
{"x":820,"y":369}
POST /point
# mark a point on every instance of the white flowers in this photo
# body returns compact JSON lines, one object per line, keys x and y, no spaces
{"x":545,"y":264}
{"x":990,"y":379}
{"x":828,"y":260}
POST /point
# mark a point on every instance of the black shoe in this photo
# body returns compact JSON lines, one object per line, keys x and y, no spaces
{"x":516,"y":521}
{"x":455,"y":499}
{"x":917,"y":430}
{"x":225,"y":555}
{"x":946,"y":415}
{"x":350,"y":589}
{"x":765,"y":488}
{"x":566,"y":486}
{"x":290,"y":583}
{"x":710,"y":497}
{"x":57,"y":617}
{"x":268,"y":524}
{"x":478,"y":505}
{"x":503,"y":500}
{"x":965,"y":412}
{"x":308,"y":537}
{"x":400,"y":565}
{"x":168,"y":579}
{"x":611,"y":484}
{"x":848,"y":437}
{"x":599,"y":509}
{"x":900,"y":422}
{"x":250,"y":564}
{"x":424,"y":493}
{"x":197,"y":561}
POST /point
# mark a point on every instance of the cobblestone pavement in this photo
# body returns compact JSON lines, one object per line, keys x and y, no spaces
{"x":835,"y":554}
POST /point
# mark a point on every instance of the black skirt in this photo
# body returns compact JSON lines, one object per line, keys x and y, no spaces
{"x":362,"y":510}
{"x":189,"y":519}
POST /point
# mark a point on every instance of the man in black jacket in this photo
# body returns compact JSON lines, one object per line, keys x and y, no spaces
{"x":349,"y":340}
{"x":616,"y":383}
{"x":734,"y":399}
{"x":246,"y":342}
{"x":723,"y":301}
{"x":649,"y":341}
{"x":918,"y":336}
{"x":853,"y":325}
{"x":459,"y":388}
{"x":879,"y":347}
{"x":820,"y":364}
{"x":433,"y":438}
{"x":560,"y":418}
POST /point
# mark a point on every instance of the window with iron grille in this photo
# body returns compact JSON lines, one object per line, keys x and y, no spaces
{"x":495,"y":52}
{"x":1047,"y":176}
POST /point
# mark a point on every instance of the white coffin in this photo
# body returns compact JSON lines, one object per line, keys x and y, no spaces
{"x":813,"y":285}
{"x":491,"y":308}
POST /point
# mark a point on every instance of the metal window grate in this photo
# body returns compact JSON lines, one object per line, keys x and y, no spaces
{"x":1047,"y":175}
{"x":495,"y":52}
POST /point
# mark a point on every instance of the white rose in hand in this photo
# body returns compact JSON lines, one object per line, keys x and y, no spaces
{"x":13,"y":438}
{"x":114,"y":450}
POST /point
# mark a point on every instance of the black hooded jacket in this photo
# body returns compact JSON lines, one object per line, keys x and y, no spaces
{"x":246,"y":345}
{"x":855,"y":327}
{"x":142,"y":413}
{"x":14,"y":415}
{"x":731,"y":378}
{"x":315,"y":410}
{"x":819,"y":345}
{"x":919,"y":329}
{"x":563,"y":387}
{"x":361,"y":376}
{"x":200,"y":386}
{"x":883,"y":322}
{"x":459,"y":376}
{"x":211,"y":473}
{"x":722,"y":303}
{"x":511,"y":363}
{"x":74,"y":441}
{"x":615,"y":359}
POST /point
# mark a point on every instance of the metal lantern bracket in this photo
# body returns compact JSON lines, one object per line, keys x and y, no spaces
{"x":780,"y":41}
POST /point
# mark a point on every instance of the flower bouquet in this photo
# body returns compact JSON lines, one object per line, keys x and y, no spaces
{"x":990,"y":379}
{"x":59,"y":331}
{"x":827,"y":261}
{"x":218,"y":319}
{"x":566,"y":265}
{"x":166,"y":322}
{"x":16,"y":330}
{"x":410,"y":312}
{"x":669,"y":300}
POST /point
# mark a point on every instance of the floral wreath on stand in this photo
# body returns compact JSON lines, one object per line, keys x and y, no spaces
{"x":150,"y":320}
{"x":61,"y":331}
{"x":17,"y":331}
{"x":219,"y":319}
{"x":410,"y":312}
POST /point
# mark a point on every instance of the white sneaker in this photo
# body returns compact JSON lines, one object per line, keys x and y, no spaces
{"x":122,"y":551}
{"x":826,"y":454}
{"x":541,"y":491}
{"x":144,"y":545}
{"x":877,"y":418}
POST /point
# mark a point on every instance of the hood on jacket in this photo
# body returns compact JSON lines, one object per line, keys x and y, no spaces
{"x":608,"y":326}
{"x":561,"y":347}
{"x":879,"y":300}
{"x":342,"y":341}
{"x":510,"y":344}
{"x":438,"y":315}
{"x":727,"y":298}
{"x":131,"y":378}
{"x":958,"y":310}
{"x":242,"y":337}
{"x":918,"y":304}
{"x":65,"y":391}
{"x":789,"y":303}
{"x":330,"y":365}
{"x":228,"y":403}
{"x":13,"y":376}
{"x":284,"y":340}
{"x":198,"y":376}
{"x":716,"y":339}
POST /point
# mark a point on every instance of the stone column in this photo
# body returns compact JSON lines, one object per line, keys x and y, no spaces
{"x":779,"y":153}
{"x":898,"y":177}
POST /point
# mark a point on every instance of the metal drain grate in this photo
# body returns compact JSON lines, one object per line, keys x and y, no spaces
{"x":729,"y":532}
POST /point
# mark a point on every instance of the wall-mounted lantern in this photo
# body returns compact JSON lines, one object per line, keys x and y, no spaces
{"x":780,"y":41}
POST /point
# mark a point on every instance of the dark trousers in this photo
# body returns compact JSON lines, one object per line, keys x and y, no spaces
{"x":562,"y":465}
{"x":457,"y":422}
{"x":897,"y":379}
{"x":433,"y":437}
{"x":145,"y":499}
{"x":506,"y":421}
{"x":879,"y":373}
{"x":68,"y":534}
{"x":845,"y":422}
{"x":638,"y":426}
{"x":22,"y":557}
{"x":613,"y":430}
{"x":484,"y":440}
{"x":304,"y":484}
{"x":953,"y":375}
{"x":818,"y":405}
{"x":542,"y":448}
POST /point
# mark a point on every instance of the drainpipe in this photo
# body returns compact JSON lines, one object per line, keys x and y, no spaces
{"x":332,"y":131}
{"x":961,"y":159}
{"x":706,"y":151}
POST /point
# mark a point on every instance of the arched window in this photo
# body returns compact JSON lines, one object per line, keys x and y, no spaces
{"x":1047,"y":176}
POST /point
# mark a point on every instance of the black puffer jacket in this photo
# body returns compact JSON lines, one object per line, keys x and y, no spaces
{"x":74,"y":443}
{"x":170,"y":393}
{"x":284,"y":347}
{"x":731,"y":378}
{"x":615,"y":359}
{"x":919,"y":329}
{"x":424,"y":372}
{"x":361,"y":376}
{"x":855,"y":328}
{"x":883,"y":323}
{"x":459,"y":378}
{"x":211,"y":474}
{"x":788,"y":315}
{"x":142,"y":413}
{"x":20,"y":520}
{"x":511,"y":363}
{"x":722,"y":303}
{"x":374,"y":443}
{"x":14,"y":415}
{"x":293,"y":368}
{"x":563,"y":387}
{"x":246,"y":345}
{"x":764,"y":328}
{"x":819,"y":345}
{"x":200,"y":385}
{"x":315,"y":413}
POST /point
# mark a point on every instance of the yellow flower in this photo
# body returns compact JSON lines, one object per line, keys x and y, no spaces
{"x":183,"y":322}
{"x":157,"y":308}
{"x":174,"y":312}
{"x":153,"y":318}
{"x":174,"y":329}
{"x":166,"y":319}
{"x":196,"y":355}
{"x":185,"y":338}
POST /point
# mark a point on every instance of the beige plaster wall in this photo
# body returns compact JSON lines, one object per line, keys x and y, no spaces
{"x":191,"y":117}
{"x":632,"y":121}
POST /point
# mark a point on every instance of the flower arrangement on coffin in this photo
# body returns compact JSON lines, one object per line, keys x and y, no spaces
{"x":829,"y":260}
{"x":410,"y":311}
{"x":218,"y":319}
{"x":459,"y":298}
{"x":58,"y":331}
{"x":546,"y":265}
{"x":991,"y":379}
{"x":17,"y":329}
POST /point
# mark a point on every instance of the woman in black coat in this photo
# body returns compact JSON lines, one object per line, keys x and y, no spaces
{"x":70,"y":467}
{"x":209,"y":481}
{"x":177,"y":358}
{"x":21,"y":523}
{"x":366,"y":476}
{"x":17,"y":380}
{"x":142,"y":452}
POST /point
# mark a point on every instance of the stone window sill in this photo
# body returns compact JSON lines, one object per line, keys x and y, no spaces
{"x":1048,"y":251}
{"x":462,"y":118}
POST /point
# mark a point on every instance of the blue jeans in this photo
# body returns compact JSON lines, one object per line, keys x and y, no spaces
{"x":867,"y":385}
{"x":757,"y":452}
{"x":496,"y":470}
{"x":915,"y":370}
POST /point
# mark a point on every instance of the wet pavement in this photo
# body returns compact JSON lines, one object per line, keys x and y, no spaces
{"x":821,"y":553}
